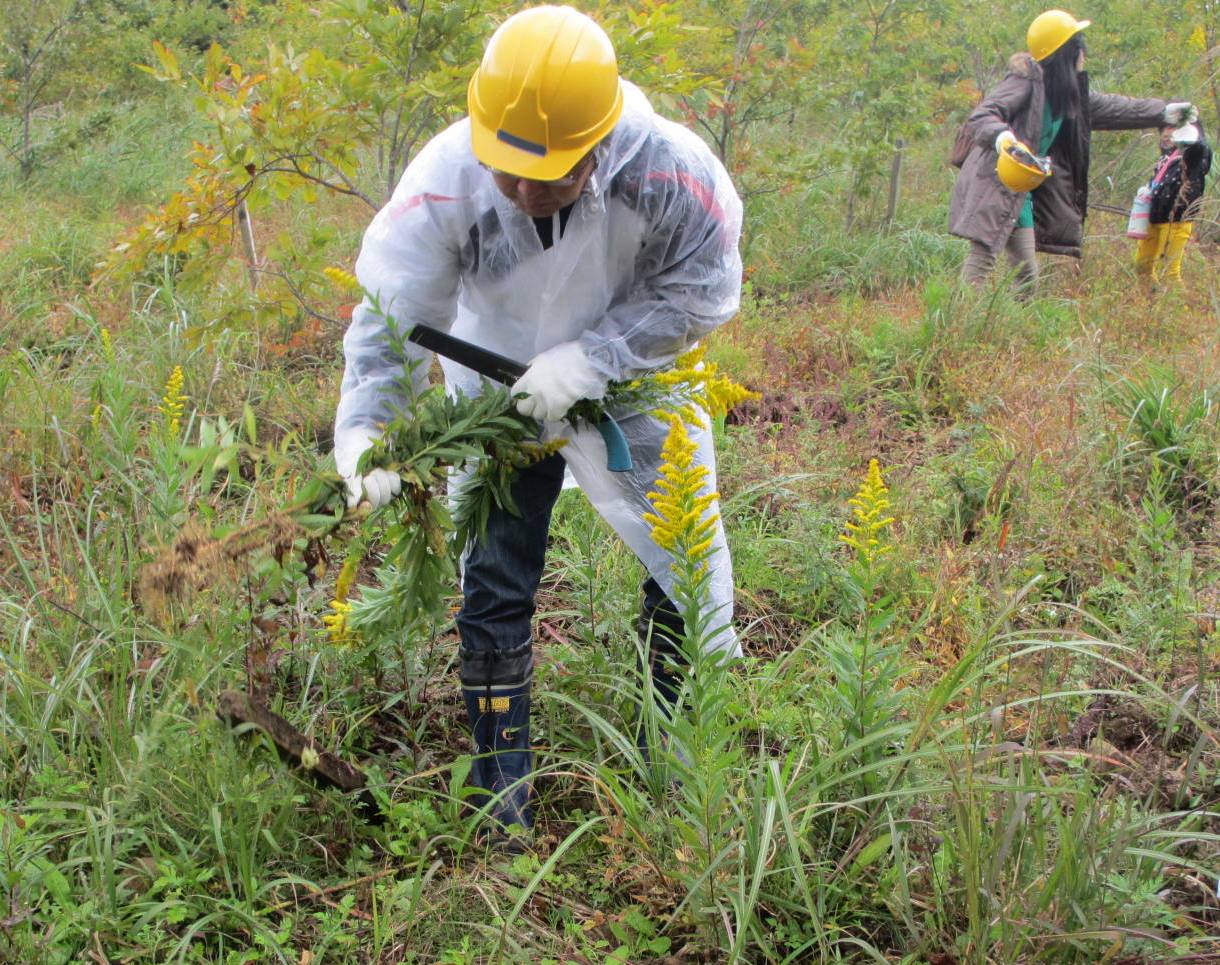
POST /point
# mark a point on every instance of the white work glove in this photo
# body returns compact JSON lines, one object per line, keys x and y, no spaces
{"x":1185,"y":135}
{"x":1180,"y":112}
{"x":377,"y":486}
{"x":1003,"y":140}
{"x":555,"y":380}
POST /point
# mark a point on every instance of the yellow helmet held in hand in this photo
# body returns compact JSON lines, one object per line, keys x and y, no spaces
{"x":1050,"y":31}
{"x":1019,"y":169}
{"x":545,"y":93}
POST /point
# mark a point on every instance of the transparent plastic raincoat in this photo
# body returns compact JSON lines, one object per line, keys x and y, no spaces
{"x":646,"y":265}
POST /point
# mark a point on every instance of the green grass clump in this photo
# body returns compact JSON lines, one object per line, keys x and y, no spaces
{"x":1168,"y":439}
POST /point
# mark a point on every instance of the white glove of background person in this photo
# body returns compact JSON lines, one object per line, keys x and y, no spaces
{"x":1185,"y":135}
{"x":378,"y":486}
{"x":1003,"y":139}
{"x":1181,"y":112}
{"x":555,"y":380}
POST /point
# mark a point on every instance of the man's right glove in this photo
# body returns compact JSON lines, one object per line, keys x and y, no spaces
{"x":555,"y":379}
{"x":1180,"y":112}
{"x":1004,"y":139}
{"x":377,"y":486}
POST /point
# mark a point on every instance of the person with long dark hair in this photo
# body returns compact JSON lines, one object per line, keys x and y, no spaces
{"x":1044,"y":103}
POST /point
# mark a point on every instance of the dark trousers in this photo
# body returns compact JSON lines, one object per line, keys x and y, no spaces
{"x":500,"y":579}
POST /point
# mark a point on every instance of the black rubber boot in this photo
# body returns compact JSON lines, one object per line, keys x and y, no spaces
{"x":496,"y":687}
{"x":661,"y":631}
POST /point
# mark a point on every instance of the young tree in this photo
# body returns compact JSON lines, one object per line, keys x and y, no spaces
{"x":729,"y":70}
{"x":879,"y":63}
{"x":753,"y":69}
{"x":293,"y":126}
{"x":36,"y":38}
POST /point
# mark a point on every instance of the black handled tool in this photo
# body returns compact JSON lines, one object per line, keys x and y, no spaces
{"x":502,"y":369}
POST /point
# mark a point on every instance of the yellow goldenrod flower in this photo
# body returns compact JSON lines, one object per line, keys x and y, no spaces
{"x":341,"y":279}
{"x":341,"y":635}
{"x":869,"y":506}
{"x":694,"y":378}
{"x":173,"y":401}
{"x":680,"y":519}
{"x":96,"y":418}
{"x":347,"y":576}
{"x":107,"y":345}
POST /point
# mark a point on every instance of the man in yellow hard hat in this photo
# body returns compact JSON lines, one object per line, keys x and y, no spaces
{"x":1045,"y":104}
{"x":565,"y":224}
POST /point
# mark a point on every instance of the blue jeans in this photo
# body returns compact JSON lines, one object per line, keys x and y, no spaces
{"x":500,"y":578}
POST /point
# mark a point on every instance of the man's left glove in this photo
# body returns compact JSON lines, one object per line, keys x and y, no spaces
{"x":377,"y":486}
{"x":555,"y":380}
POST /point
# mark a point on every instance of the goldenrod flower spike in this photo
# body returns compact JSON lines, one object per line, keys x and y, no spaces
{"x":341,"y":635}
{"x":869,"y":505}
{"x":341,"y":279}
{"x":680,"y":520}
{"x":694,"y":378}
{"x":347,"y":577}
{"x":107,"y":344}
{"x":173,"y":401}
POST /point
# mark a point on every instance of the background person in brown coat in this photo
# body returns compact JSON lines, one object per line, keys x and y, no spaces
{"x":1044,"y":102}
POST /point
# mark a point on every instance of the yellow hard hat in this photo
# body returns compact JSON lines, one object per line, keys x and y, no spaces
{"x":1019,"y":170}
{"x":1050,"y":31}
{"x":546,"y":92}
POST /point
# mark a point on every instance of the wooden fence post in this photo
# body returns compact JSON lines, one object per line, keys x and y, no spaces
{"x":895,"y":176}
{"x":246,"y":226}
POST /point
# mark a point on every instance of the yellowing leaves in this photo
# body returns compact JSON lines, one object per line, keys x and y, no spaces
{"x":168,"y":61}
{"x":288,"y":126}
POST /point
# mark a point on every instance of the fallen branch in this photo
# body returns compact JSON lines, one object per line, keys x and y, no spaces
{"x":323,"y":767}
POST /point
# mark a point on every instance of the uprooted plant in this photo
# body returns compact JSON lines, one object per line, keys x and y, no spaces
{"x":421,"y":535}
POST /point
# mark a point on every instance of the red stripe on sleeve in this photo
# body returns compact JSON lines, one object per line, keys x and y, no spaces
{"x":414,"y":201}
{"x":701,"y":192}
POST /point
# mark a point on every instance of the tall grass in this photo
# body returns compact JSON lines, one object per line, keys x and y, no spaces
{"x":930,"y":833}
{"x":798,"y":827}
{"x":1166,"y":435}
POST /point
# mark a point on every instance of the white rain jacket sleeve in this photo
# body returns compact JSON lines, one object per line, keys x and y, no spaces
{"x":403,"y":238}
{"x":646,"y":264}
